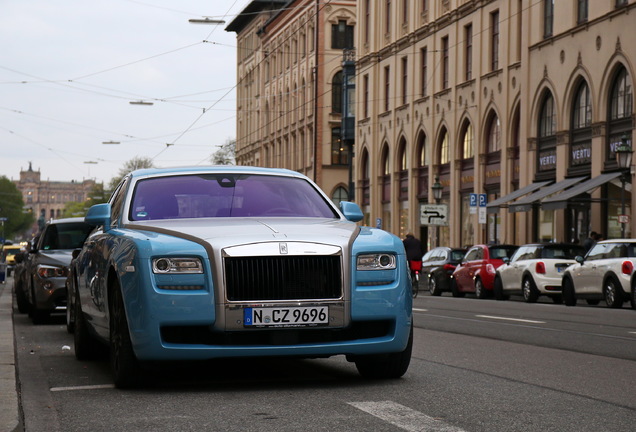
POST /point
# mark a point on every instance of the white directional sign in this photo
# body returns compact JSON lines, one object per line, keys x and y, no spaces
{"x":434,"y":214}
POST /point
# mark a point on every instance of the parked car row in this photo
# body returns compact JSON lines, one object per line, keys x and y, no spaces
{"x":564,"y":272}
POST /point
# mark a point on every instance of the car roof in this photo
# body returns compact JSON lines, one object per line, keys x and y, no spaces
{"x":213,"y":169}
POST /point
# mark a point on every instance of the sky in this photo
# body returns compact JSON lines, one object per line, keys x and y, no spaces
{"x":70,"y":68}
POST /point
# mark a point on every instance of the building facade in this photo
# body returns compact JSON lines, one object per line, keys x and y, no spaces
{"x":516,"y":101}
{"x":289,"y":87}
{"x":46,"y":199}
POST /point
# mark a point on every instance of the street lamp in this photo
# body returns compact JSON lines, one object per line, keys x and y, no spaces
{"x":438,"y":189}
{"x":624,"y":161}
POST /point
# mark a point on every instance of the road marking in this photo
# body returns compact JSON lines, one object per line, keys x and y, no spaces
{"x":510,"y":319}
{"x":88,"y":387}
{"x":420,"y":310}
{"x":404,"y":417}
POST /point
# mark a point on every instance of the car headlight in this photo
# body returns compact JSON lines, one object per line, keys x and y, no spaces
{"x":381,"y":261}
{"x":47,"y":271}
{"x":177,"y":265}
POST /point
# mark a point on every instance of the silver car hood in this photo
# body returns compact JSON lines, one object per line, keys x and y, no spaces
{"x":220,"y":233}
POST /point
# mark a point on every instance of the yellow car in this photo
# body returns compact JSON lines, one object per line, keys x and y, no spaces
{"x":8,"y":252}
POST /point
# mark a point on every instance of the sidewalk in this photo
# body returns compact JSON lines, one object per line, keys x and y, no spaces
{"x":9,"y":417}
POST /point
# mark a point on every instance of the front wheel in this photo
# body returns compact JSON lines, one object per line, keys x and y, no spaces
{"x":21,"y":298}
{"x":529,"y":290}
{"x":415,"y":285}
{"x":86,"y":346}
{"x":455,"y":289}
{"x":70,"y":310}
{"x":123,"y":362}
{"x":434,"y":286}
{"x":632,"y":297}
{"x":613,"y":294}
{"x":567,"y":291}
{"x":386,"y":366}
{"x":498,"y":290}
{"x":480,"y":291}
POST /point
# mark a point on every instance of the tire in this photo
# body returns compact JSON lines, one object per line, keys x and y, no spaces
{"x":498,"y":291}
{"x":480,"y":291}
{"x":124,"y":364}
{"x":592,"y":302}
{"x":86,"y":346}
{"x":529,"y":290}
{"x":557,"y":299}
{"x":613,"y":294}
{"x":386,"y":366}
{"x":38,"y":316}
{"x":567,"y":291}
{"x":455,"y":289}
{"x":434,"y":286}
{"x":21,"y":300}
{"x":632,"y":295}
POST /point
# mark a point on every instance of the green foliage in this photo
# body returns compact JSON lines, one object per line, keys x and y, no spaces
{"x":132,"y":165}
{"x":12,"y":208}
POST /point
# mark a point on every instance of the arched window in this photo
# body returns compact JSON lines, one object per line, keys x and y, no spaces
{"x":546,"y":156}
{"x":494,"y":135}
{"x":444,"y":153}
{"x":468,"y":143}
{"x":403,"y":193}
{"x":339,"y":195}
{"x":580,"y":130}
{"x":422,"y":167}
{"x":547,"y":118}
{"x":620,"y":111}
{"x":386,"y":174}
{"x":336,"y":93}
{"x":364,"y":169}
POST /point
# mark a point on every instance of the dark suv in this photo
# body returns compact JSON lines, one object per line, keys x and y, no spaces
{"x":41,"y":286}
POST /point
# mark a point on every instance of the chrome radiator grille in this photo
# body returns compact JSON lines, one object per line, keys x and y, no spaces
{"x":283,"y":278}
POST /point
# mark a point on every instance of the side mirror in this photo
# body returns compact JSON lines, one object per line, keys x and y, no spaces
{"x":99,"y":214}
{"x":579,"y":259}
{"x":351,"y":211}
{"x":506,"y":260}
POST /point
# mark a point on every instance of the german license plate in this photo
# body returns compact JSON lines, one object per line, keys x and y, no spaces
{"x":286,"y":316}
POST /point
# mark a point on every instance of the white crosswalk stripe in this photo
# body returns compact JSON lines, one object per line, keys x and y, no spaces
{"x":404,"y":417}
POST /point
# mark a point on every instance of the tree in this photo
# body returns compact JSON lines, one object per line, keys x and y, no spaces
{"x":16,"y":220}
{"x":226,"y":153}
{"x":132,"y":165}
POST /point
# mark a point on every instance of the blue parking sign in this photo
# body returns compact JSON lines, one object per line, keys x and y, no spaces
{"x":483,"y":200}
{"x":473,"y":200}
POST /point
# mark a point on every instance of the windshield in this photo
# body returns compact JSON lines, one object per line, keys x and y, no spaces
{"x":227,"y":195}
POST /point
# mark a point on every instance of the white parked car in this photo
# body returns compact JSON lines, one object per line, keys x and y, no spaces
{"x":534,"y":270}
{"x":604,"y":274}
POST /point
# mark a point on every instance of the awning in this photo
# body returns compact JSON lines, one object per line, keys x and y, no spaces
{"x":525,"y":204}
{"x":560,"y":200}
{"x":493,"y":207}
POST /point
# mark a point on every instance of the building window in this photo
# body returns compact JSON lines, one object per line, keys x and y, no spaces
{"x":494,"y":135}
{"x":339,"y":195}
{"x":620,"y":111}
{"x":386,"y":175}
{"x":548,"y":18}
{"x":405,"y":11}
{"x":387,"y":87}
{"x":339,"y":152}
{"x":581,"y":11}
{"x":581,"y":132}
{"x":468,"y":150}
{"x":405,"y":81}
{"x":424,"y":70}
{"x":367,"y":20}
{"x":365,"y":96}
{"x":364,"y":169}
{"x":444,"y":63}
{"x":336,"y":93}
{"x":547,"y":119}
{"x":468,"y":61}
{"x":494,"y":41}
{"x":341,"y":35}
{"x":387,"y":16}
{"x":444,"y":154}
{"x":621,"y":3}
{"x":582,"y":112}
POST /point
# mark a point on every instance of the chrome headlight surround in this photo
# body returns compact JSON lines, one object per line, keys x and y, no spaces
{"x":377,"y":261}
{"x":177,"y":265}
{"x":47,"y":271}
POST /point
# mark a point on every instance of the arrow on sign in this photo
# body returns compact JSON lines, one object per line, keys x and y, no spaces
{"x":433,"y":215}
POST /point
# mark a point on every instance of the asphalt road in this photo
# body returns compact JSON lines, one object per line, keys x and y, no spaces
{"x":478,"y":365}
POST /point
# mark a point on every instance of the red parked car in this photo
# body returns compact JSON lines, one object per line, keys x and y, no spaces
{"x":476,"y":272}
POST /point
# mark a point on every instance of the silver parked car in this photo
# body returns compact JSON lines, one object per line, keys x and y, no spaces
{"x":40,"y":287}
{"x":535,"y":270}
{"x":603,"y":274}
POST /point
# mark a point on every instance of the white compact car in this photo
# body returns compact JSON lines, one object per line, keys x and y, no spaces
{"x":534,"y":270}
{"x":604,"y":274}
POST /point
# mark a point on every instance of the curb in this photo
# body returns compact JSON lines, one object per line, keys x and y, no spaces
{"x":9,"y":417}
